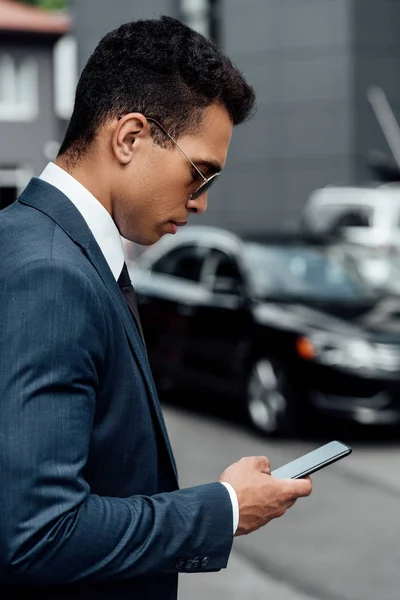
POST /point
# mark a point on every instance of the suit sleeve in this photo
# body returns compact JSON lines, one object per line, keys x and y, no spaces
{"x":53,"y":530}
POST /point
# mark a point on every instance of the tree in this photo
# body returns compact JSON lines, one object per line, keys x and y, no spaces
{"x":47,"y":4}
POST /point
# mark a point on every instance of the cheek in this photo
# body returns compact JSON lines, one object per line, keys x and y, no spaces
{"x":170,"y":189}
{"x":157,"y":188}
{"x":172,"y":172}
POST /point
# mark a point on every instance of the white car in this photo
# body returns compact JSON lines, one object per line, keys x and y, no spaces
{"x":378,"y":267}
{"x":368,"y":215}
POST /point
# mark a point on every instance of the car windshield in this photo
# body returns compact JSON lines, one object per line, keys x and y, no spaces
{"x":306,"y":272}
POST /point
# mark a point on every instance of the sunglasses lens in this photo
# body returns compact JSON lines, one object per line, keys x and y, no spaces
{"x":205,"y":186}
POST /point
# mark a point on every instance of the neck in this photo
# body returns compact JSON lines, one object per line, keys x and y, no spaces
{"x":91,"y":175}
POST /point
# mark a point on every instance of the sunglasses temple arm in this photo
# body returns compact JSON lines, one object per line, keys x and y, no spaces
{"x":179,"y":148}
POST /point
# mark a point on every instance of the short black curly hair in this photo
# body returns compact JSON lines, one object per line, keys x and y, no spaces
{"x":162,"y":69}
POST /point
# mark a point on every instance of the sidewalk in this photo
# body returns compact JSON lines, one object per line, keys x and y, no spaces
{"x":239,"y":581}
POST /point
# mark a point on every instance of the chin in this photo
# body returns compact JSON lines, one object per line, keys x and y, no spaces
{"x":148,"y":240}
{"x":141,"y":238}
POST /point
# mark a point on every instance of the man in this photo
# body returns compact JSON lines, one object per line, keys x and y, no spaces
{"x":90,"y":505}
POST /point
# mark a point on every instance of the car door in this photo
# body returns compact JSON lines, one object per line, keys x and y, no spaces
{"x":219,"y":337}
{"x":168,"y":293}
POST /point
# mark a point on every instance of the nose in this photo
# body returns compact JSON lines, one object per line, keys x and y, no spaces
{"x":199,"y":205}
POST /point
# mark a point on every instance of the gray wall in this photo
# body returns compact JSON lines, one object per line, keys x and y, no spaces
{"x":297,"y":54}
{"x":311,"y":62}
{"x":376,"y":55}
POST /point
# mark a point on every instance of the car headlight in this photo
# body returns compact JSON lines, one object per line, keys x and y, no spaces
{"x":354,"y":354}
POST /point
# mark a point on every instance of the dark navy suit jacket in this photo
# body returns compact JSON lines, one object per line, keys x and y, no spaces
{"x":89,"y":499}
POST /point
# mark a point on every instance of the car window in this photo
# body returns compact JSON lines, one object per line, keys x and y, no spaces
{"x":357,"y":216}
{"x":222,"y":266}
{"x":334,"y":217}
{"x":184,"y":262}
{"x":300,"y":271}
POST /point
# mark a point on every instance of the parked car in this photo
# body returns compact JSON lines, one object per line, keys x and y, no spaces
{"x":280,"y":327}
{"x":380,"y":268}
{"x":367,"y":215}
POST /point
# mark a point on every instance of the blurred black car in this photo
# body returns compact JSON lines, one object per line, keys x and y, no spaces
{"x":281,"y":326}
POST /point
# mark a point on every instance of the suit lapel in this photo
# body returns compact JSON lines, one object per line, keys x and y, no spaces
{"x":49,"y":200}
{"x":97,"y":259}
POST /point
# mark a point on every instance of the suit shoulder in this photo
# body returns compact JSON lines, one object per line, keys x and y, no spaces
{"x":28,"y":235}
{"x":24,"y":233}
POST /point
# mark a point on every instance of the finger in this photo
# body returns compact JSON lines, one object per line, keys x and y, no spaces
{"x":301,"y":487}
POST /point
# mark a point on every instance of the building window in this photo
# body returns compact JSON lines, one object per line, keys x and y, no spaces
{"x":18,"y":88}
{"x":65,"y":75}
{"x":202,"y":15}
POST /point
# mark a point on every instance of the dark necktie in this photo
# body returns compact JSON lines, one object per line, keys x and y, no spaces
{"x":128,"y":292}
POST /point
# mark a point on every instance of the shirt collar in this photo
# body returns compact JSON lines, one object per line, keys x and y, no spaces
{"x":96,"y":216}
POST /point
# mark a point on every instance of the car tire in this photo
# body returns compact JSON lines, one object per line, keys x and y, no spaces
{"x":270,"y":402}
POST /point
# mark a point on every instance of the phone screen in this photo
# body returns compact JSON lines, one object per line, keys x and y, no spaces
{"x":313,"y":461}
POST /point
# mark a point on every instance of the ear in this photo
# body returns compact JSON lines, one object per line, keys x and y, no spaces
{"x":131,"y":131}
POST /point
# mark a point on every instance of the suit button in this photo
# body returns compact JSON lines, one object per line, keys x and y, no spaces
{"x":196,"y":562}
{"x":205,"y":562}
{"x":188,"y":565}
{"x":180,"y":564}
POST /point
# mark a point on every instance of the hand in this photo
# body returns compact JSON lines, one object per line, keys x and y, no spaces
{"x":261,"y":497}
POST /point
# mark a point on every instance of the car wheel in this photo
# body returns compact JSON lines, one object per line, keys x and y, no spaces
{"x":269,"y":400}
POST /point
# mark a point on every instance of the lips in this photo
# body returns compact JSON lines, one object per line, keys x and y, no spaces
{"x":176,"y":224}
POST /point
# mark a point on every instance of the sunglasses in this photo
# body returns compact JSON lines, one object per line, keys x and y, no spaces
{"x":207,"y":181}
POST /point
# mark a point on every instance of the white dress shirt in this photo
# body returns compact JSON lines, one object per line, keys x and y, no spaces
{"x":97,"y":218}
{"x":106,"y":234}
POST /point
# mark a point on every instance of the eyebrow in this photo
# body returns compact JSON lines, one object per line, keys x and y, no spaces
{"x":212,"y":166}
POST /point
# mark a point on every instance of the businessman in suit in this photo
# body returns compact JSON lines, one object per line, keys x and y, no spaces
{"x":90,"y":505}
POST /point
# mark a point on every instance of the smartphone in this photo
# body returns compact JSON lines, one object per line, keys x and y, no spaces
{"x":313,"y":461}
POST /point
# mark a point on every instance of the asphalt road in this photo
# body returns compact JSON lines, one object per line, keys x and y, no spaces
{"x":341,"y":543}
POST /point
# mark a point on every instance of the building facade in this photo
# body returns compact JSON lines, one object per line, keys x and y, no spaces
{"x":32,"y":117}
{"x":312,"y":63}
